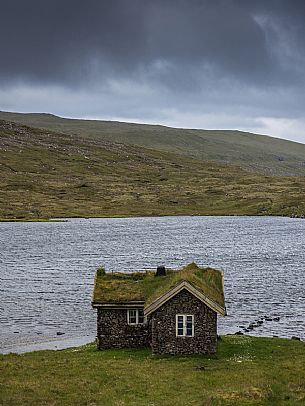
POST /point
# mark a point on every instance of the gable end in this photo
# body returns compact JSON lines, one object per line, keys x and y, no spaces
{"x":178,"y":288}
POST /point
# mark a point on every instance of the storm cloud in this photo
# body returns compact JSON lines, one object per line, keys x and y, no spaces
{"x":188,"y":63}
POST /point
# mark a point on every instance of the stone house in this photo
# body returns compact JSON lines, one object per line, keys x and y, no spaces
{"x":172,"y":312}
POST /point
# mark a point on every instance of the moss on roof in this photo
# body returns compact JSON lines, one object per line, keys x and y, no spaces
{"x":145,"y":286}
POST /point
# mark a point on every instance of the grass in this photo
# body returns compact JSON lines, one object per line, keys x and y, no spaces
{"x":45,"y":175}
{"x":258,"y":153}
{"x":244,"y":371}
{"x":144,"y":286}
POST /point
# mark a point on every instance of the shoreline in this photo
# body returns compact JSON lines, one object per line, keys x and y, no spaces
{"x":77,"y":342}
{"x":65,"y":219}
{"x":29,"y":220}
{"x":55,"y":345}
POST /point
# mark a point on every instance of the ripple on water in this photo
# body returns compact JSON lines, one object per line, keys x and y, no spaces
{"x":47,"y":269}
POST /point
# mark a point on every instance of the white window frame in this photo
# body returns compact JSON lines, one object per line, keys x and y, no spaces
{"x":184,"y":325}
{"x":137,"y":317}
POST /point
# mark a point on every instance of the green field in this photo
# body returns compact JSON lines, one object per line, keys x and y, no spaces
{"x":244,"y":371}
{"x":44,"y":174}
{"x":258,"y":153}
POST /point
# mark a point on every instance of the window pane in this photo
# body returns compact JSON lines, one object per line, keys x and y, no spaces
{"x":180,"y":325}
{"x":180,"y":331}
{"x":189,"y":319}
{"x":132,"y":318}
{"x":189,"y":331}
{"x":180,"y":319}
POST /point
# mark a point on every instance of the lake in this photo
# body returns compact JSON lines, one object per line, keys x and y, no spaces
{"x":47,"y":270}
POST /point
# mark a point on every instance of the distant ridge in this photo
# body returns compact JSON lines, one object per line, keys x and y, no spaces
{"x":254,"y":152}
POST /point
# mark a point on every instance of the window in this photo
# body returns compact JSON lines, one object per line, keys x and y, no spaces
{"x":135,"y":316}
{"x":184,"y":325}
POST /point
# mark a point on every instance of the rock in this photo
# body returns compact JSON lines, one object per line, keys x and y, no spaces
{"x":239,"y":333}
{"x":200,"y":368}
{"x":295,"y":338}
{"x":59,"y":333}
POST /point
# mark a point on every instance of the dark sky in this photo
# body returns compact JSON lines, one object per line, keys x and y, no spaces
{"x":187,"y":63}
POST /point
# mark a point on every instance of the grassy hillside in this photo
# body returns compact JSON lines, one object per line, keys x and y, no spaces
{"x":244,"y":371}
{"x":259,"y":153}
{"x":45,"y":174}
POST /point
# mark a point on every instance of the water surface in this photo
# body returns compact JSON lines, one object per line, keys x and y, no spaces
{"x":47,"y":269}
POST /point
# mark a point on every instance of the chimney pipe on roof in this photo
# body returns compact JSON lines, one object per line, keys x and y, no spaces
{"x":161,"y":271}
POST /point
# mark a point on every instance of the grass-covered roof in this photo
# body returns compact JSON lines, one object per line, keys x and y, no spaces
{"x":145,"y":286}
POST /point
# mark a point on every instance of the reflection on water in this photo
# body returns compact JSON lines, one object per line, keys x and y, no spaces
{"x":46,"y":270}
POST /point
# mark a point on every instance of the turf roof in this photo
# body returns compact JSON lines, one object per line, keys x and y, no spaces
{"x":145,"y":286}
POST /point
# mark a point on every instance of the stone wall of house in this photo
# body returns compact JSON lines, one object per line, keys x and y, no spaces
{"x":163,"y":324}
{"x":113,"y":331}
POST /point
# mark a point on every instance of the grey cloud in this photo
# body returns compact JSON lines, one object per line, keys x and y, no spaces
{"x":155,"y":60}
{"x":75,"y":41}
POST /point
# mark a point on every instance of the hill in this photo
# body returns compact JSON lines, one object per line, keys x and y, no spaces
{"x":258,"y":153}
{"x":47,"y":174}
